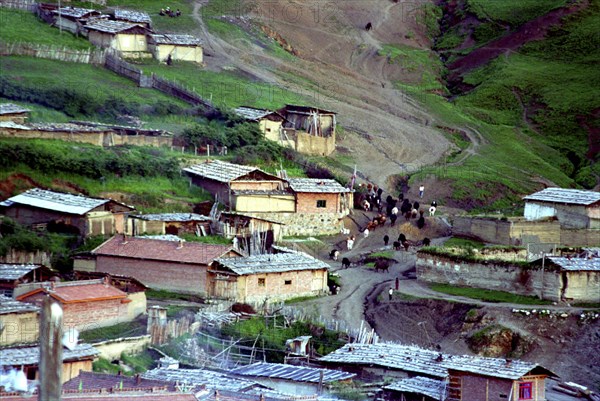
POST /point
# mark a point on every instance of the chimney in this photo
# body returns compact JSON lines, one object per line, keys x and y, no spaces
{"x":124,"y":239}
{"x":508,"y":363}
{"x":180,"y":244}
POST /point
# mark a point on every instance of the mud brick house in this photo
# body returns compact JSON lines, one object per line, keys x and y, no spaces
{"x":88,"y":216}
{"x":168,"y":223}
{"x":14,"y":274}
{"x":254,"y":235}
{"x":28,"y":358}
{"x":73,"y":19}
{"x":469,"y":378}
{"x":268,"y":277}
{"x":309,"y":130}
{"x":125,"y":37}
{"x":571,"y":207}
{"x":579,"y":278}
{"x":135,"y":17}
{"x":18,"y":322}
{"x":316,"y":195}
{"x":167,"y":265}
{"x":179,"y":47}
{"x":416,"y":389}
{"x":269,"y":122}
{"x":14,"y":113}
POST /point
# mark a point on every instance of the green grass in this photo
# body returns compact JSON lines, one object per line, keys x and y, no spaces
{"x":488,"y":295}
{"x":40,"y":114}
{"x":25,"y":27}
{"x":127,"y":329}
{"x":168,"y":295}
{"x":423,"y":64}
{"x":463,"y":243}
{"x":382,"y":254}
{"x":138,"y":363}
{"x":183,"y":24}
{"x":514,"y":12}
{"x":297,"y":300}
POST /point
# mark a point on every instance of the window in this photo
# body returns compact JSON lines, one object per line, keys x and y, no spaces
{"x":261,"y":282}
{"x":525,"y":391}
{"x":288,"y":282}
{"x":321,"y":203}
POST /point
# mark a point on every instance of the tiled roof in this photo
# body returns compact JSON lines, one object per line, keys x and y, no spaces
{"x":292,"y":372}
{"x":141,"y":248}
{"x":257,"y":395}
{"x":272,"y":263}
{"x":74,"y":12}
{"x":576,"y":264}
{"x":316,"y":185}
{"x":109,"y":26}
{"x":132,"y":16}
{"x":220,"y":171}
{"x":305,"y":109}
{"x":172,"y":217}
{"x":211,"y":379}
{"x":435,"y":389}
{"x":114,"y":395}
{"x":79,"y":291}
{"x":9,"y":305}
{"x":31,"y":355}
{"x":563,"y":195}
{"x":14,"y":271}
{"x":418,"y":360}
{"x":252,"y":114}
{"x":97,"y":381}
{"x":11,"y":108}
{"x":58,"y":201}
{"x":178,"y":40}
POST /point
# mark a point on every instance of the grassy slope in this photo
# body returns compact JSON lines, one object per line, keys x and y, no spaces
{"x":513,"y":12}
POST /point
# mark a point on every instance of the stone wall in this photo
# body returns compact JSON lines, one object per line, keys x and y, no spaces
{"x":315,"y":145}
{"x":514,"y":231}
{"x":300,"y":224}
{"x":112,"y":349}
{"x":590,"y":237}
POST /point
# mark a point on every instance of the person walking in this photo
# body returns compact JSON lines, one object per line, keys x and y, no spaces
{"x":421,"y":190}
{"x":391,"y":293}
{"x":366,"y":233}
{"x":386,"y":239}
{"x":350,"y":242}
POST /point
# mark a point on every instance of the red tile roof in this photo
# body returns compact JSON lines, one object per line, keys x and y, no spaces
{"x":171,"y":251}
{"x":79,"y":291}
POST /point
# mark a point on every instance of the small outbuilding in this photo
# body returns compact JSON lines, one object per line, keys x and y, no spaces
{"x":14,"y":275}
{"x":18,"y":322}
{"x":168,"y":223}
{"x":133,"y":16}
{"x":269,"y":122}
{"x":13,"y":112}
{"x":177,"y":47}
{"x":310,"y":129}
{"x":73,"y":19}
{"x":252,"y":234}
{"x":573,"y":208}
{"x":125,"y":37}
{"x":318,"y":195}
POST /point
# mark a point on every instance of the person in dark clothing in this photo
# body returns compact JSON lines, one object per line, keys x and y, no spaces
{"x":386,"y":239}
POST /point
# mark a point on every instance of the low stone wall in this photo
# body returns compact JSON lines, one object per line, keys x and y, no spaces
{"x":583,"y":237}
{"x":300,"y":224}
{"x":112,"y":349}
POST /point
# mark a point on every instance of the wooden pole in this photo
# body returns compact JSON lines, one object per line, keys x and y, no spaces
{"x":51,"y":351}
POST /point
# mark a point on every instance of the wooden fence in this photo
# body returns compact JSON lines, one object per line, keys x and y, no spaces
{"x":90,"y":56}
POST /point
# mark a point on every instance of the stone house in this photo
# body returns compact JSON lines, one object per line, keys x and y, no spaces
{"x":579,"y":278}
{"x":168,"y":223}
{"x":85,"y":215}
{"x":178,"y":47}
{"x":12,"y":275}
{"x":466,"y":378}
{"x":86,"y":305}
{"x":127,"y":38}
{"x":28,"y":358}
{"x":19,"y":322}
{"x":571,"y":207}
{"x":135,"y":17}
{"x":267,"y":277}
{"x":14,"y":113}
{"x":161,"y":264}
{"x":269,"y":122}
{"x":73,"y":19}
{"x":309,"y":130}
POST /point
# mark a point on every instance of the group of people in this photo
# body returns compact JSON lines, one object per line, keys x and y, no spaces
{"x":167,"y":11}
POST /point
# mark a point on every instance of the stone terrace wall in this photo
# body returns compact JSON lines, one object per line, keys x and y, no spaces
{"x":515,"y":231}
{"x":300,"y":224}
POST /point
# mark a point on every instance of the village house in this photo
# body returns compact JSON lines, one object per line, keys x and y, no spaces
{"x":268,"y":277}
{"x":78,"y":359}
{"x":317,"y":195}
{"x":161,"y":264}
{"x":571,"y":207}
{"x":87,"y":216}
{"x":177,"y":47}
{"x":309,"y":130}
{"x":127,"y":38}
{"x":269,"y":122}
{"x":416,"y":389}
{"x":169,"y":223}
{"x":18,"y":322}
{"x":73,"y":19}
{"x":469,"y":378}
{"x":579,"y":278}
{"x":14,"y":113}
{"x":252,"y":234}
{"x":86,"y":305}
{"x":136,"y":17}
{"x":12,"y":275}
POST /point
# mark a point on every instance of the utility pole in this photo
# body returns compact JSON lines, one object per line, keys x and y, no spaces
{"x":51,"y":351}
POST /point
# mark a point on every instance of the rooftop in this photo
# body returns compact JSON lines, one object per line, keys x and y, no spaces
{"x":11,"y":108}
{"x":132,"y":16}
{"x":305,"y":109}
{"x":272,"y":263}
{"x":18,"y":356}
{"x":220,"y":171}
{"x":171,"y":251}
{"x":252,"y":114}
{"x":9,"y":305}
{"x":78,"y":291}
{"x":58,"y":201}
{"x":178,"y":40}
{"x":109,"y":26}
{"x":576,"y":264}
{"x":292,"y":372}
{"x":563,"y":195}
{"x":97,"y":381}
{"x":435,"y":389}
{"x":75,"y":12}
{"x":316,"y":185}
{"x":172,"y":217}
{"x":14,"y":271}
{"x":112,"y":395}
{"x":211,"y":379}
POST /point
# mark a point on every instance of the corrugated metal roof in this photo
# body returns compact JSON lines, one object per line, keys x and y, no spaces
{"x":563,"y":195}
{"x":272,"y":263}
{"x":220,"y":171}
{"x":172,"y":217}
{"x":97,"y":381}
{"x":11,"y":108}
{"x":212,"y":380}
{"x":418,"y":360}
{"x":58,"y":201}
{"x":132,"y":16}
{"x":74,"y":12}
{"x":252,"y":114}
{"x":435,"y":389}
{"x":14,"y":271}
{"x":292,"y":372}
{"x":316,"y":185}
{"x":177,"y":40}
{"x":9,"y":305}
{"x":576,"y":264}
{"x":31,"y":355}
{"x":110,"y":26}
